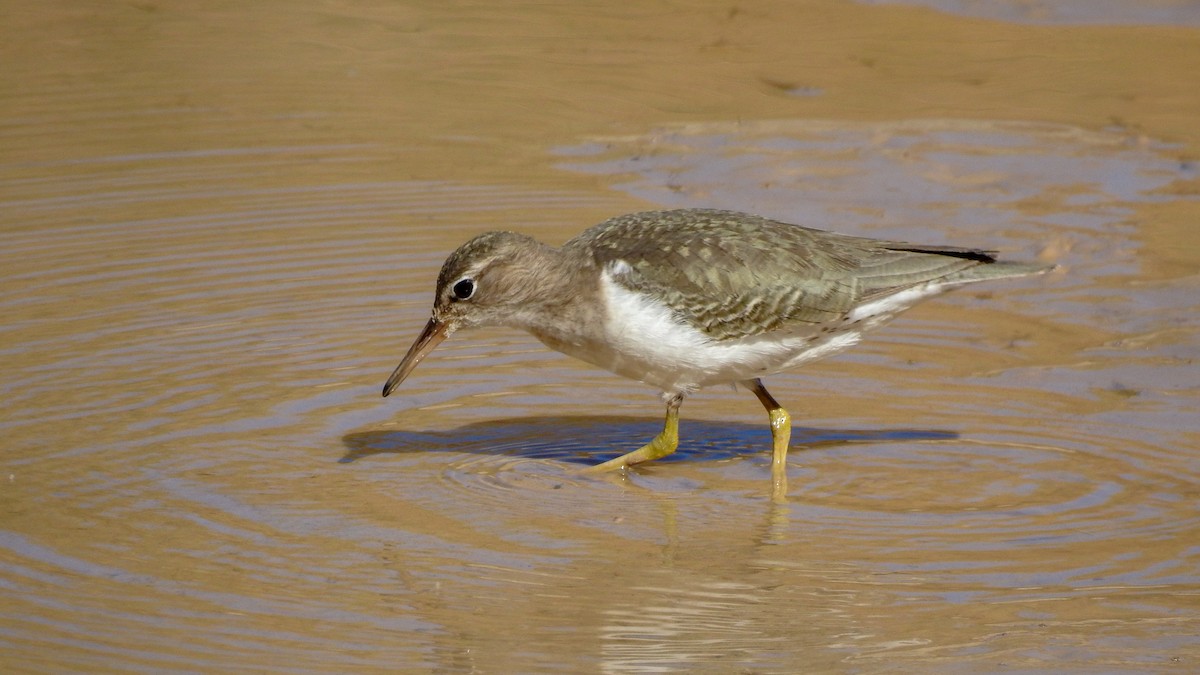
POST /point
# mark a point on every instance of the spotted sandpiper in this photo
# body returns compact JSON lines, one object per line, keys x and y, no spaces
{"x":693,"y":297}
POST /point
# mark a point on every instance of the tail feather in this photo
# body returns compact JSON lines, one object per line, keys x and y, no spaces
{"x":996,"y":270}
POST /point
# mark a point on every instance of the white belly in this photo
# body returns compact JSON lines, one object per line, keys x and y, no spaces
{"x":642,"y":340}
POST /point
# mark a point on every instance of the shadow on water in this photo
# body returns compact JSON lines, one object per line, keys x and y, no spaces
{"x":587,"y":439}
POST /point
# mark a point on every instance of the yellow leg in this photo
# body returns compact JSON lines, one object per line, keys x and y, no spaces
{"x":781,"y":424}
{"x":662,"y":445}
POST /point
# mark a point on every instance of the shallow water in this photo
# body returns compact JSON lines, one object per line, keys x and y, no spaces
{"x":220,"y":231}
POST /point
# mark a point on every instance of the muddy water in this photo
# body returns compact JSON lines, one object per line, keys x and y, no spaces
{"x":219,"y":230}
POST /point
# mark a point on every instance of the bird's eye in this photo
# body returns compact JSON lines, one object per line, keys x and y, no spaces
{"x":464,"y":289}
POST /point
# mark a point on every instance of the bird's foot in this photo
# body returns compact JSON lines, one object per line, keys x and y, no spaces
{"x":661,"y":446}
{"x":781,"y":438}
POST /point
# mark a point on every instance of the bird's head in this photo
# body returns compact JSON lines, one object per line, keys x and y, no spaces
{"x":494,"y":279}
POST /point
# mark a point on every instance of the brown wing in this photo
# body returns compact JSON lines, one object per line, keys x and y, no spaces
{"x":734,"y":275}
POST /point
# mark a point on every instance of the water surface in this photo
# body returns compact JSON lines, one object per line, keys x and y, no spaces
{"x":220,"y":229}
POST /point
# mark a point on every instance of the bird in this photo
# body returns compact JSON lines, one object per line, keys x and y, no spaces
{"x":689,"y":298}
